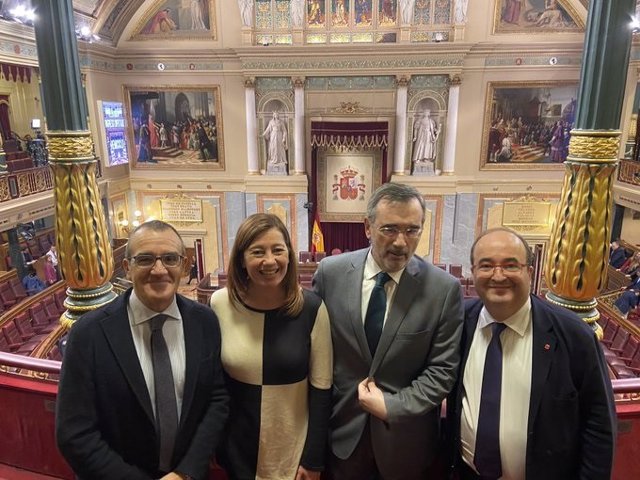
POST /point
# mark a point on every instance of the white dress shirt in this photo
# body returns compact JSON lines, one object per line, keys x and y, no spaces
{"x":173,"y":331}
{"x":517,"y":349}
{"x":371,"y":269}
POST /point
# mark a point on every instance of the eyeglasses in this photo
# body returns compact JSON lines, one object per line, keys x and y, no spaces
{"x":392,"y":231}
{"x":488,"y":269}
{"x":169,"y":260}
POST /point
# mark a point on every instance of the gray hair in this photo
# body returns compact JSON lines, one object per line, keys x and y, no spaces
{"x":394,"y":192}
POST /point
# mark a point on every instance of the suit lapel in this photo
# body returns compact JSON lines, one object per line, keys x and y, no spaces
{"x":193,"y":353}
{"x":116,"y":327}
{"x":544,"y":347}
{"x":405,"y":293}
{"x":354,"y":278}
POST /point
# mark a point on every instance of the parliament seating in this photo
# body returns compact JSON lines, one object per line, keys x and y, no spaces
{"x":18,"y":288}
{"x":7,"y":297}
{"x":304,"y":257}
{"x":16,"y":344}
{"x":317,"y":256}
{"x":41,"y":321}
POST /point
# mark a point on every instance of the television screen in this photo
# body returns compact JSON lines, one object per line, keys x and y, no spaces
{"x":114,"y":133}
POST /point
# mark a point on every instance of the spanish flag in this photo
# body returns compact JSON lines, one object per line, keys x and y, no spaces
{"x":317,"y":239}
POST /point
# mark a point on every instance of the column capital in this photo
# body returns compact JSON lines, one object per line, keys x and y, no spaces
{"x":250,"y":82}
{"x":455,"y":80}
{"x":403,"y":80}
{"x":298,"y":82}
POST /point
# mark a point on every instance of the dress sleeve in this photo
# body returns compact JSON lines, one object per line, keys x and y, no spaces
{"x":320,"y":380}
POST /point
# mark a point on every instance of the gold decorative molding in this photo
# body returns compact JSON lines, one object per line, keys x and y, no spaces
{"x":65,"y":146}
{"x":594,"y":145}
{"x":349,"y":108}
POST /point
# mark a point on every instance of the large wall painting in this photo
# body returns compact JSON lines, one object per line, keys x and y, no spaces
{"x":177,"y":127}
{"x":178,"y":19}
{"x":536,"y":16}
{"x":527,"y":125}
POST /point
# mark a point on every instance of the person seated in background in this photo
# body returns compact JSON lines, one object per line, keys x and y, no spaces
{"x":617,"y":255}
{"x":631,"y":267}
{"x":627,"y":301}
{"x":52,"y":254}
{"x":27,"y":258}
{"x":193,"y":271}
{"x":32,"y":284}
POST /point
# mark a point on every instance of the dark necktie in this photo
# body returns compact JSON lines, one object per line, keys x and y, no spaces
{"x":487,"y":456}
{"x":374,"y":319}
{"x":166,"y":405}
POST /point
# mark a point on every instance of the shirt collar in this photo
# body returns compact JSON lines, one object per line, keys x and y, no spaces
{"x":142,"y":313}
{"x":371,"y":269}
{"x":518,"y":322}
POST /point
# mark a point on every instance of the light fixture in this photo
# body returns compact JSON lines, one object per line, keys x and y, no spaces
{"x":635,"y":24}
{"x":128,"y":226}
{"x":20,"y":13}
{"x":438,"y":37}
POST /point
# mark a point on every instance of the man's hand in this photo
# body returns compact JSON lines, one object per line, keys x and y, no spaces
{"x":304,"y":474}
{"x":371,"y":399}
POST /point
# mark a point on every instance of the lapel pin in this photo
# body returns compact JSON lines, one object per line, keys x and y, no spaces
{"x":547,"y":346}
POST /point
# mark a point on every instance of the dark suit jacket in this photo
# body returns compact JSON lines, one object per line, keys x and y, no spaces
{"x":618,"y":257}
{"x":104,"y":420}
{"x":415,"y":363}
{"x":571,"y":428}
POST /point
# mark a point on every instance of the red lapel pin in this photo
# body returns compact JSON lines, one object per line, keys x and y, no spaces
{"x":547,"y":346}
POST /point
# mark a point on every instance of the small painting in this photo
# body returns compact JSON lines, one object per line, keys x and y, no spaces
{"x":178,"y":19}
{"x":177,"y":127}
{"x":536,"y":16}
{"x":528,"y":125}
{"x":315,"y":13}
{"x":363,"y":13}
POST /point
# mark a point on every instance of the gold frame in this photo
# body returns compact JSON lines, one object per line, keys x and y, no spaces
{"x":488,"y":114}
{"x":127,"y":90}
{"x":565,"y":4}
{"x":212,"y":33}
{"x":375,"y":156}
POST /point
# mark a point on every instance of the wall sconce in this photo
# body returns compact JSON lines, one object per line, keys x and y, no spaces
{"x":128,"y":226}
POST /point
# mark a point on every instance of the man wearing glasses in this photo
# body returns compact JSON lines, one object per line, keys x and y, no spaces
{"x":142,"y":395}
{"x":395,"y":324}
{"x":533,"y":398}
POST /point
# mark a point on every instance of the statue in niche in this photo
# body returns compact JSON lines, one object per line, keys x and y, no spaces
{"x":297,"y":12}
{"x":425,"y":137}
{"x":246,"y":12}
{"x":276,"y":135}
{"x":406,"y":11}
{"x":460,"y":14}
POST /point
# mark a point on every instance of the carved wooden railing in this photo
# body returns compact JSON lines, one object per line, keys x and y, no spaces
{"x":25,"y":183}
{"x":629,"y":172}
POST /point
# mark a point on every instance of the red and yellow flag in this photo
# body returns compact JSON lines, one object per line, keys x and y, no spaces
{"x":317,"y":238}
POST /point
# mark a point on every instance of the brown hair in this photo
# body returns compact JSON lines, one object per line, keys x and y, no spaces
{"x":237,"y":278}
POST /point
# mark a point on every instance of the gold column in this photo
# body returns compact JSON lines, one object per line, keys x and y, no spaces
{"x":576,"y":268}
{"x":85,"y":256}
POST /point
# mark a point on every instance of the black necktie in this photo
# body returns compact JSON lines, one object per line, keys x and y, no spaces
{"x":166,"y":405}
{"x":487,"y":456}
{"x":374,"y":319}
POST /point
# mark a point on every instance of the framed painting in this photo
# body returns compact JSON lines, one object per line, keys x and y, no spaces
{"x":174,"y":126}
{"x":177,"y":19}
{"x":536,"y":16}
{"x":345,"y":184}
{"x":527,"y":125}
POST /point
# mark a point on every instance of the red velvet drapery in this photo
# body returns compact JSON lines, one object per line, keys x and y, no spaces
{"x":347,"y":136}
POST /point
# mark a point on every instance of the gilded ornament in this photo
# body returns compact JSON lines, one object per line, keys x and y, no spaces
{"x":594,"y":145}
{"x":70,"y":146}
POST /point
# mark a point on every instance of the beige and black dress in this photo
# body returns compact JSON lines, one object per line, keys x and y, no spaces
{"x":279,"y":372}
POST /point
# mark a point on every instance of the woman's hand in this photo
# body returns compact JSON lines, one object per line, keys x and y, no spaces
{"x":304,"y":474}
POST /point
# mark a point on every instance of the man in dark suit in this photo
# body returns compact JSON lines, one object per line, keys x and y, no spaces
{"x":618,"y":254}
{"x":390,"y":377}
{"x":533,"y":398}
{"x":142,"y":394}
